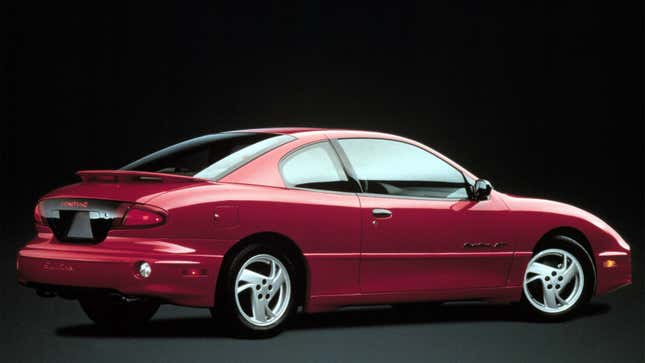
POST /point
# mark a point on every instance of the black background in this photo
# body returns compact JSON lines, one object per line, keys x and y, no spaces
{"x":543,"y":99}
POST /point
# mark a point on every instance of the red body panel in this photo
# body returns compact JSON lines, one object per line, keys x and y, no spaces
{"x":421,"y":246}
{"x":418,"y":253}
{"x":112,"y":265}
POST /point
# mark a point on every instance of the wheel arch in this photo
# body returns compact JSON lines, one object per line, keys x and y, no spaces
{"x":277,"y":240}
{"x":574,"y":236}
{"x":570,"y":232}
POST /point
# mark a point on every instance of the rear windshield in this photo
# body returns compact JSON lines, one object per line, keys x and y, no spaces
{"x":211,"y":156}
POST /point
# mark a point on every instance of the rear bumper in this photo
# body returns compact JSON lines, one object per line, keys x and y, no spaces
{"x":180,"y":274}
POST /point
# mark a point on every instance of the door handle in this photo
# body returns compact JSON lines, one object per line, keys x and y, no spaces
{"x":381,"y":213}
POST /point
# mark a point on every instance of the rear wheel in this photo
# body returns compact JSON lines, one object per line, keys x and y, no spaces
{"x":258,"y":291}
{"x":118,"y":314}
{"x":558,"y":279}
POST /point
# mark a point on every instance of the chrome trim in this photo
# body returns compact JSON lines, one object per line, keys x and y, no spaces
{"x":381,"y":213}
{"x":374,"y":195}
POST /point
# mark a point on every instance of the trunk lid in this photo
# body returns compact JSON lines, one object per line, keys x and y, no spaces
{"x":86,"y":211}
{"x":123,"y":185}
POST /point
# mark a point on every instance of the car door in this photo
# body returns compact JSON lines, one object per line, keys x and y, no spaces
{"x":420,"y":230}
{"x":323,"y":214}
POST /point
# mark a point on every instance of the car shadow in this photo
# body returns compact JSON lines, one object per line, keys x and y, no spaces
{"x":348,"y":318}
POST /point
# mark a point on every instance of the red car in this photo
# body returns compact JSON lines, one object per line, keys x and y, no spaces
{"x":255,"y":223}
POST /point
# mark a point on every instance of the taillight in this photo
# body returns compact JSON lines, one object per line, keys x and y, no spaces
{"x":143,"y":216}
{"x":38,"y":216}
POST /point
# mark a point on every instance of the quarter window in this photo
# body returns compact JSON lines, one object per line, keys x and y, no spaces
{"x":398,"y":168}
{"x":316,"y":167}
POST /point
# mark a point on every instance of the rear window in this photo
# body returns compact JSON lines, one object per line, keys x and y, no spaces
{"x":211,"y":156}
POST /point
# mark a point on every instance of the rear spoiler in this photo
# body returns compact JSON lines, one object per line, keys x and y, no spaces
{"x":114,"y":176}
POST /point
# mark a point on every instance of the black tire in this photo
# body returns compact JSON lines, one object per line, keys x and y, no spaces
{"x":115,"y":314}
{"x":226,"y":309}
{"x":589,"y":272}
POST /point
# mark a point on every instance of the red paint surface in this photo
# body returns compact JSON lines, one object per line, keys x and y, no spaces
{"x":416,"y":254}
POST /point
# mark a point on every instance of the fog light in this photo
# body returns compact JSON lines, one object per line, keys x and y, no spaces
{"x":145,"y":270}
{"x":609,"y":263}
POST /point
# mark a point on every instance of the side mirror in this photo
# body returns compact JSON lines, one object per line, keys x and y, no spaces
{"x":482,"y":189}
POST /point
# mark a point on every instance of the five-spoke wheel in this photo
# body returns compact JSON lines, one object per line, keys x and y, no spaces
{"x":558,"y":279}
{"x":263,"y":290}
{"x":257,"y":291}
{"x":553,"y":280}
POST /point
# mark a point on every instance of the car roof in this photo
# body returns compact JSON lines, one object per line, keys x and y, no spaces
{"x":283,"y":130}
{"x":312,"y":131}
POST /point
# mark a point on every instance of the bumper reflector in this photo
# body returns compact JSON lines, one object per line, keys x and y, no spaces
{"x":194,"y":272}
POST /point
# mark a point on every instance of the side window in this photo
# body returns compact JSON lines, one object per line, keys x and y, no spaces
{"x":316,"y":167}
{"x":397,"y":168}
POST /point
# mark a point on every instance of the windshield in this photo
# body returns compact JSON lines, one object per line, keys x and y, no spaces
{"x":211,"y":156}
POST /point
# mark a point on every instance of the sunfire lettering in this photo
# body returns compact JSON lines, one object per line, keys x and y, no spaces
{"x":484,"y":245}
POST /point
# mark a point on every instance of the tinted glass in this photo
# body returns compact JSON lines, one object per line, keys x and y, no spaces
{"x":316,"y":167}
{"x":398,"y":168}
{"x":210,"y":156}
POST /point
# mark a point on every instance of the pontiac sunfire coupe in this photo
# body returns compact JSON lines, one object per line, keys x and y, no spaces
{"x":256,"y":223}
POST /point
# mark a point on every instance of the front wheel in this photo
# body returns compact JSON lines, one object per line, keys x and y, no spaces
{"x":558,"y":279}
{"x":258,"y":292}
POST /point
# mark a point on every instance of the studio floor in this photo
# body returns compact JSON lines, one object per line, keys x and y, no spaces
{"x":55,"y":330}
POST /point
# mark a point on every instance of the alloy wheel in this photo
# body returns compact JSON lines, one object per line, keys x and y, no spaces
{"x":262,"y":290}
{"x":553,"y":281}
